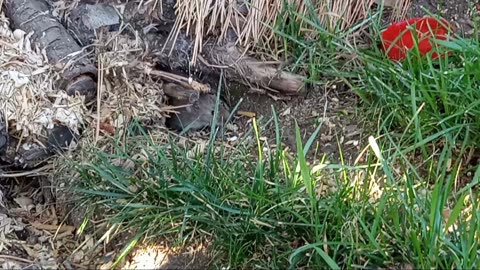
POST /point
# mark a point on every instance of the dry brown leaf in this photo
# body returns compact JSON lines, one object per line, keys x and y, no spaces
{"x":78,"y":256}
{"x":247,"y":114}
{"x":446,"y":214}
{"x":31,"y":252}
{"x":286,"y":112}
{"x":107,"y":128}
{"x":125,"y":164}
{"x":89,"y":243}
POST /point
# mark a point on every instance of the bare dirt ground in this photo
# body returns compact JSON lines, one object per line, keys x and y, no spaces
{"x":333,"y":107}
{"x":30,"y":235}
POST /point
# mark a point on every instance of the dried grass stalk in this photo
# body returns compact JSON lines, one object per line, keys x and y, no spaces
{"x":251,"y":19}
{"x":400,"y":10}
{"x":28,"y":100}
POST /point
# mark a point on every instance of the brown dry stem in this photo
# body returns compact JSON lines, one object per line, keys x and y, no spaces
{"x":188,"y":83}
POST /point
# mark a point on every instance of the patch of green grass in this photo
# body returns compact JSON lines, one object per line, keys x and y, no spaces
{"x":424,"y":94}
{"x":440,"y":94}
{"x":265,"y":211}
{"x":319,"y":51}
{"x":402,"y":205}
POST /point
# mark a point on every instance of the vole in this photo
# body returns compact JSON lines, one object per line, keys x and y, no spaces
{"x":199,"y":115}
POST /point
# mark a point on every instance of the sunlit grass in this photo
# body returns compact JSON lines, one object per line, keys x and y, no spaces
{"x":269,"y":212}
{"x":404,"y":204}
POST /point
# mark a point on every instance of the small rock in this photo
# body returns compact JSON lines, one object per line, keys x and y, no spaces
{"x":87,"y":19}
{"x":78,"y":257}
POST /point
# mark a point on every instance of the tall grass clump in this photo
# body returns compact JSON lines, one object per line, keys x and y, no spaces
{"x":434,"y":94}
{"x":267,"y":210}
{"x":262,"y":208}
{"x":252,"y":21}
{"x":439,"y":94}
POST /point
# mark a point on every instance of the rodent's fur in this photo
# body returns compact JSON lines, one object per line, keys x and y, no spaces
{"x":199,"y":115}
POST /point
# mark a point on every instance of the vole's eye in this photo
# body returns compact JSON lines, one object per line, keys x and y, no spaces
{"x":213,"y":112}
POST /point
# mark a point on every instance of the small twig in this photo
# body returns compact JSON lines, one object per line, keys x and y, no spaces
{"x":48,"y":227}
{"x":13,"y":258}
{"x":206,"y":63}
{"x":79,"y":266}
{"x":99,"y":96}
{"x":35,"y":172}
{"x":247,"y":114}
{"x":185,"y":82}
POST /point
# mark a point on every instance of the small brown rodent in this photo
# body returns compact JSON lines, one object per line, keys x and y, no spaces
{"x":199,"y":115}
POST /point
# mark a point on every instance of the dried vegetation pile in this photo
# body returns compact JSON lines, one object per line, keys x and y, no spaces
{"x":30,"y":104}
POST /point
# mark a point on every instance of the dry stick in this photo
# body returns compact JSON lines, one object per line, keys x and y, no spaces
{"x":185,"y":82}
{"x":48,"y":227}
{"x":35,"y":172}
{"x":181,"y":94}
{"x":13,"y":258}
{"x":246,"y":70}
{"x":254,"y":71}
{"x":99,"y":97}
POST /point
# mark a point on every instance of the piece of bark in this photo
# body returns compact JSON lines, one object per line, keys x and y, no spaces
{"x":59,"y":139}
{"x":187,"y":83}
{"x":24,"y":157}
{"x":232,"y":59}
{"x":78,"y":74}
{"x":255,"y":72}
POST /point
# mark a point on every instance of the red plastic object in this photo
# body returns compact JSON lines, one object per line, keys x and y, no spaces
{"x":423,"y":27}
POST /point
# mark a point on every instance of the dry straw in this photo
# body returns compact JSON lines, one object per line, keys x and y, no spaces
{"x":251,"y":20}
{"x":29,"y":102}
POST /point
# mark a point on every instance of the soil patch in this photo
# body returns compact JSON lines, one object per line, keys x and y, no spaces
{"x":333,"y":107}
